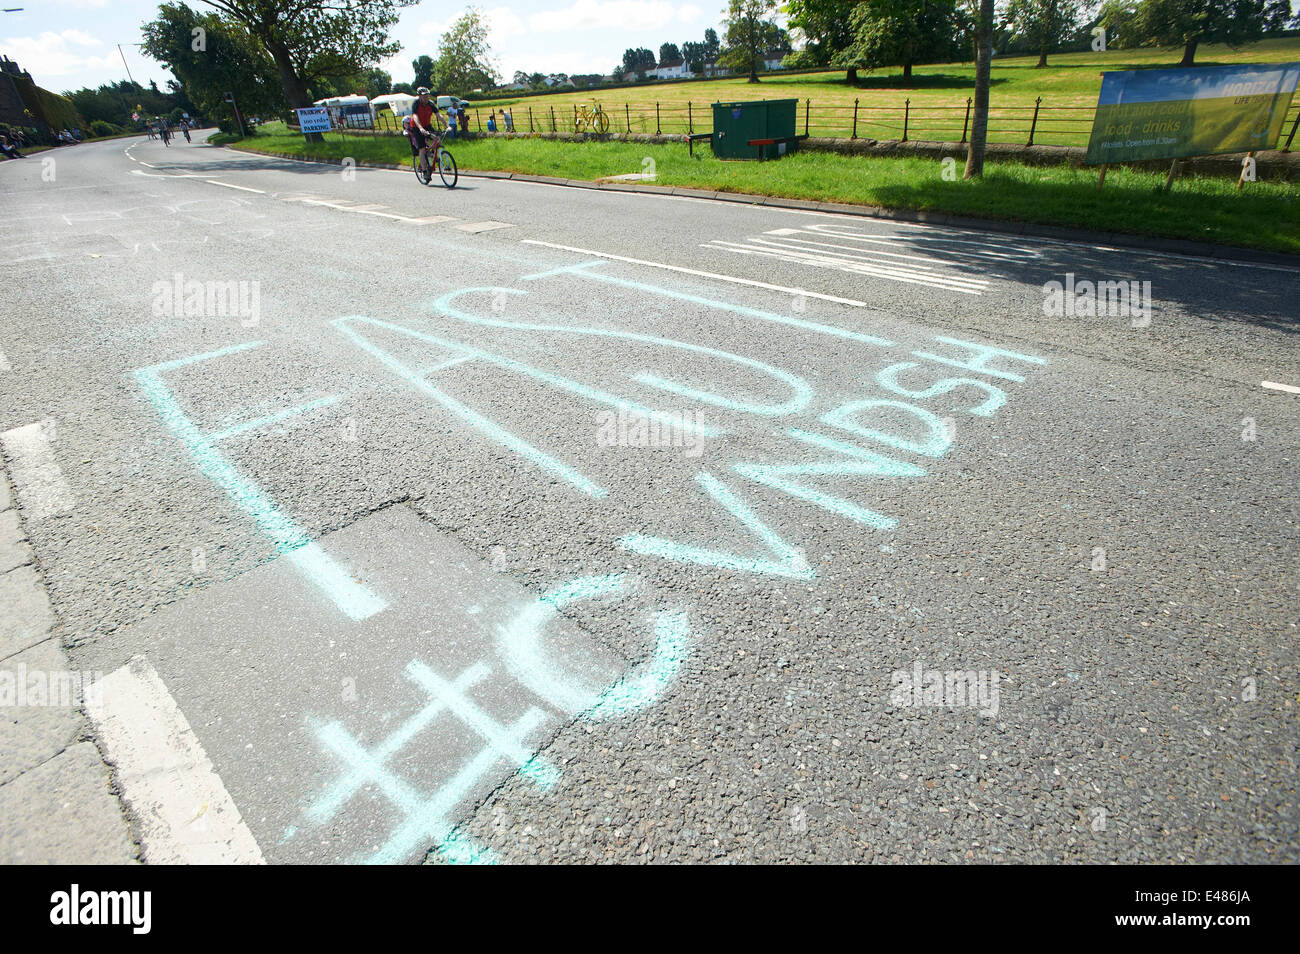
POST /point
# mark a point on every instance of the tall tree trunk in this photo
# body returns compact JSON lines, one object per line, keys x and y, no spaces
{"x":295,"y":87}
{"x":983,"y":68}
{"x":853,"y":75}
{"x":907,"y":72}
{"x":1042,"y":58}
{"x":1189,"y":51}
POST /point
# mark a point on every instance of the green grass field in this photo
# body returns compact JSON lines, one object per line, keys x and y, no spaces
{"x":1068,"y":87}
{"x":1264,"y":215}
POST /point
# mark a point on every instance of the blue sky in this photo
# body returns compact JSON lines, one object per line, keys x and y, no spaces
{"x":67,"y":44}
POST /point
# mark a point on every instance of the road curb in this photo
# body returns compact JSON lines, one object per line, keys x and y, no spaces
{"x":1058,"y":233}
{"x":57,"y":803}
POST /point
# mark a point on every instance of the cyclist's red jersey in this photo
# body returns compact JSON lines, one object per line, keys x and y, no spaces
{"x":425,"y":112}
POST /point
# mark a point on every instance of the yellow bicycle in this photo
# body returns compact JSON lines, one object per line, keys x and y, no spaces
{"x":591,"y":119}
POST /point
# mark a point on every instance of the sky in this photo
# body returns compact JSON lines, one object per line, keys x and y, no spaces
{"x":68,"y":44}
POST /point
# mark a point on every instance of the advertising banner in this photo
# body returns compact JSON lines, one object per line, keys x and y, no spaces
{"x":1168,"y":114}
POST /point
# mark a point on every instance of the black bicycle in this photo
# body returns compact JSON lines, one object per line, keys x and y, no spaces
{"x":443,"y":162}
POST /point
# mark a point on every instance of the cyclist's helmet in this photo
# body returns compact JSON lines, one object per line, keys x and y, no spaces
{"x":423,"y":90}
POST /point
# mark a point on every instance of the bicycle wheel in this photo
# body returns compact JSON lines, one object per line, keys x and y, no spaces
{"x":421,"y":173}
{"x":601,"y":122}
{"x":447,"y":168}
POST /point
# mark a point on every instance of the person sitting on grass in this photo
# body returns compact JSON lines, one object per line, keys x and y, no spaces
{"x":9,"y":150}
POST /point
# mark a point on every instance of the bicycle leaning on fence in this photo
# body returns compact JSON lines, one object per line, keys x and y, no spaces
{"x":590,"y":119}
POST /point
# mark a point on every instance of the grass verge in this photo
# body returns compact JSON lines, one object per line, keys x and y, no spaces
{"x":1263,"y":215}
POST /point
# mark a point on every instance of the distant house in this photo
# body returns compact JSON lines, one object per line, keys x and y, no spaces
{"x":713,"y":68}
{"x":672,"y":69}
{"x":559,"y":81}
{"x":773,"y":60}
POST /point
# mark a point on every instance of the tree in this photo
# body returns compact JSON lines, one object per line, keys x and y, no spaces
{"x":983,"y":71}
{"x":749,"y":31}
{"x":423,"y":66}
{"x":1191,"y":22}
{"x":669,"y":53}
{"x":1044,"y":24}
{"x":310,"y":40}
{"x":222,"y":58}
{"x":638,"y":61}
{"x":694,"y":54}
{"x":618,"y":73}
{"x":464,"y":56}
{"x":711,"y":45}
{"x":904,"y":33}
{"x":826,"y":24}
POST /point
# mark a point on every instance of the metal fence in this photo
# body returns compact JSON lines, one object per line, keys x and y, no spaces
{"x":1036,"y":124}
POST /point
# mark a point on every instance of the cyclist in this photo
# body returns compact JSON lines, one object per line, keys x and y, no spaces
{"x":420,"y":130}
{"x":166,"y":133}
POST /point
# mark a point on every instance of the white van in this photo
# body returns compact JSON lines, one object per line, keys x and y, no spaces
{"x":445,"y":101}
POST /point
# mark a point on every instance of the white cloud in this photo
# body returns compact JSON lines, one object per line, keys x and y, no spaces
{"x":605,"y":15}
{"x":689,"y":13}
{"x":52,"y":54}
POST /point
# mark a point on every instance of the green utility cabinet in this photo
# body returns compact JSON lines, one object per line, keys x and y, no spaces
{"x":735,"y":124}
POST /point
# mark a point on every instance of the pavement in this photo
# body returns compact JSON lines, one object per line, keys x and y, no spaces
{"x":516,"y":523}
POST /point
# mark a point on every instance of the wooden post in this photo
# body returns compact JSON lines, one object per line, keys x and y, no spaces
{"x":1101,"y":178}
{"x":658,"y":126}
{"x":627,"y":116}
{"x":1287,"y":147}
{"x":530,"y":120}
{"x":966,"y":125}
{"x":690,"y":120}
{"x":553,"y":129}
{"x":478,"y":119}
{"x":1250,"y":157}
{"x":1034,"y":125}
{"x":807,"y":108}
{"x":1169,"y":179}
{"x":855,"y":120}
{"x":575,"y":119}
{"x":907,"y":115}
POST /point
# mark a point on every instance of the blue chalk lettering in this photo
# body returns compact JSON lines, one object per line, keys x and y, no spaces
{"x":799,"y":399}
{"x":935,"y":444}
{"x":484,"y":424}
{"x":983,"y":355}
{"x":865,"y":464}
{"x":352,"y":598}
{"x":789,"y":562}
{"x":888,"y":379}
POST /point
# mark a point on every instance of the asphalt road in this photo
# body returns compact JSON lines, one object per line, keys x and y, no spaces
{"x":525,"y":523}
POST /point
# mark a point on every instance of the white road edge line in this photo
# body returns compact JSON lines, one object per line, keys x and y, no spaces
{"x":1274,"y":386}
{"x":231,"y":185}
{"x":37,"y":478}
{"x":691,"y":271}
{"x":186,"y":816}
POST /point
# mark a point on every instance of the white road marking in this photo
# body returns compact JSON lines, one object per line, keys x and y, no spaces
{"x":231,"y":185}
{"x":1274,"y":386}
{"x":488,"y":226}
{"x":186,"y":815}
{"x":36,"y":474}
{"x":692,"y":271}
{"x":852,"y":264}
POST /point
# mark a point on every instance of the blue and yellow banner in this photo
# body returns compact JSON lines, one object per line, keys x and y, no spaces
{"x":1167,"y":114}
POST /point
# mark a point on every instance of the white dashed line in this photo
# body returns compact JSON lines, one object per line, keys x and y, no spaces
{"x":692,"y":271}
{"x":186,"y":815}
{"x":231,"y":185}
{"x":1274,"y":386}
{"x":36,"y":474}
{"x":476,"y":227}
